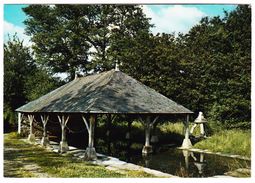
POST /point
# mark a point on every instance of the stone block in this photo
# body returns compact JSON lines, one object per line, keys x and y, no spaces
{"x":90,"y":154}
{"x":147,"y":150}
{"x":31,"y":137}
{"x":45,"y":141}
{"x":186,"y":144}
{"x":63,"y":147}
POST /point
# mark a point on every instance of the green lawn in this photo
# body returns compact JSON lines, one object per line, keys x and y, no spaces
{"x":18,"y":155}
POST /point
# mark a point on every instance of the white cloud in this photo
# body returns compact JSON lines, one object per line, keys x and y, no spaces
{"x":169,"y":19}
{"x":11,"y":29}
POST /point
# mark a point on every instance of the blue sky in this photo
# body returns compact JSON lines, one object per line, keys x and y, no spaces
{"x":166,"y":18}
{"x":14,"y":14}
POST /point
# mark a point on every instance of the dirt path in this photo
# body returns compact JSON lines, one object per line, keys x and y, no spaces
{"x":15,"y":165}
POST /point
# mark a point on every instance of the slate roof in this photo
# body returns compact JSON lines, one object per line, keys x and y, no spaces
{"x":108,"y":92}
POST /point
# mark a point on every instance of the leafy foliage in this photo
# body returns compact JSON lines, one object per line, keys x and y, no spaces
{"x":220,"y":66}
{"x":65,"y":36}
{"x":208,"y":69}
{"x":23,"y":79}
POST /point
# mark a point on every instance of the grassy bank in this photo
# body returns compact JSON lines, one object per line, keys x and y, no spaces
{"x":233,"y":141}
{"x":228,"y":141}
{"x":18,"y":155}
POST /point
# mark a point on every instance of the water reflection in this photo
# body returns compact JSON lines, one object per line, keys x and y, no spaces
{"x":199,"y":163}
{"x":170,"y":160}
{"x":185,"y":163}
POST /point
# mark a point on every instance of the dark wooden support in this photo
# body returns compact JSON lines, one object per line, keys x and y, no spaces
{"x":95,"y":130}
{"x":154,"y":137}
{"x":63,"y":146}
{"x":90,"y":153}
{"x":108,"y":132}
{"x":31,"y":136}
{"x":128,"y":135}
{"x":109,"y":125}
{"x":45,"y":139}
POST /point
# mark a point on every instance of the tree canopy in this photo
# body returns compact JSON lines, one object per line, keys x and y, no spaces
{"x":208,"y":69}
{"x":23,"y":79}
{"x":69,"y":38}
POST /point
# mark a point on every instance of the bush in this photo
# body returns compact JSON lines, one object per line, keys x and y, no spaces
{"x":9,"y":119}
{"x":232,"y":113}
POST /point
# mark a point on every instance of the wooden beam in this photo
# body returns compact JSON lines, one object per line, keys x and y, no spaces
{"x":91,"y":131}
{"x":186,"y":144}
{"x":187,"y":128}
{"x":90,"y":150}
{"x":109,"y":121}
{"x":31,"y":136}
{"x":44,"y":119}
{"x":85,"y":122}
{"x":63,"y":146}
{"x":45,"y":140}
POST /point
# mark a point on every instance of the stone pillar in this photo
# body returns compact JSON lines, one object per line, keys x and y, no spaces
{"x":90,"y":153}
{"x":31,"y":136}
{"x":20,"y":116}
{"x":192,"y":128}
{"x":186,"y":144}
{"x":45,"y":139}
{"x":202,"y":130}
{"x":63,"y":146}
{"x":147,"y":148}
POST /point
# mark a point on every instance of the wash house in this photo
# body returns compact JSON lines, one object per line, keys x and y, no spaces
{"x":108,"y":93}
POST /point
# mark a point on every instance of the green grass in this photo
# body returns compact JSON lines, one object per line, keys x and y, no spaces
{"x":232,"y":141}
{"x":168,"y":127}
{"x":228,"y":141}
{"x":19,"y":153}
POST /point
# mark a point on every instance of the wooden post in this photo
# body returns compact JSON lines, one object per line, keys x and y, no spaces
{"x":148,"y":124}
{"x":147,"y":148}
{"x":91,"y":130}
{"x":90,"y":153}
{"x":108,"y":132}
{"x":63,"y":146}
{"x":186,"y":144}
{"x":45,"y":140}
{"x":20,"y":117}
{"x":129,"y":130}
{"x":154,"y":137}
{"x":31,"y":136}
{"x":95,"y":131}
{"x":109,"y":121}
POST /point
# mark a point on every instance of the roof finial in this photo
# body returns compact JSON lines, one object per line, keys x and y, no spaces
{"x":117,"y":66}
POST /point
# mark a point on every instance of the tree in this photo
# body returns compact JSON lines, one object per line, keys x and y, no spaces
{"x":72,"y":37}
{"x":18,"y":65}
{"x":218,"y":52}
{"x":208,"y":69}
{"x":23,"y":79}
